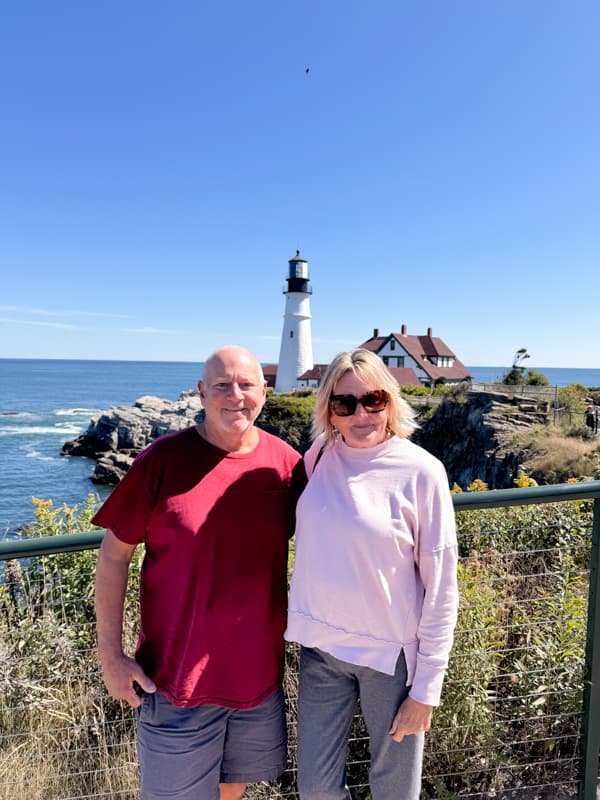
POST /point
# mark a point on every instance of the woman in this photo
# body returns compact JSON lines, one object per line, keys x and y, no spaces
{"x":373,"y":599}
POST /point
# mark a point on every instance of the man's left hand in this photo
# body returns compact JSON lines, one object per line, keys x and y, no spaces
{"x":411,"y":717}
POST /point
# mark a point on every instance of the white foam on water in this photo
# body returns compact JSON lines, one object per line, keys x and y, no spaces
{"x":31,"y":452}
{"x":75,"y":412}
{"x":39,"y":430}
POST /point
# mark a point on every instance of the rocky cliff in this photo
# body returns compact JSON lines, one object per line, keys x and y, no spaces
{"x":472,"y":436}
{"x":116,"y":436}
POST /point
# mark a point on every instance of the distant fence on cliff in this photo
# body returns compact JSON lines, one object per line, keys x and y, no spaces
{"x":521,"y":391}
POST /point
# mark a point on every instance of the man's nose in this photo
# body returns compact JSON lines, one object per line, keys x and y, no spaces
{"x":236,"y":391}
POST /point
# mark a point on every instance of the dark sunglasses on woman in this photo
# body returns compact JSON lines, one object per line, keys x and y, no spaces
{"x":344,"y":405}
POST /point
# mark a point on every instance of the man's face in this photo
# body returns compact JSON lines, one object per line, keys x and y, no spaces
{"x":232,"y":391}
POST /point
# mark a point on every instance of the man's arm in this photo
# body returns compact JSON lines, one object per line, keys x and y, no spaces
{"x":120,"y":671}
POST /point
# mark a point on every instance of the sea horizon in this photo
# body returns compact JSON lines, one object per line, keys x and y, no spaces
{"x":264,"y":362}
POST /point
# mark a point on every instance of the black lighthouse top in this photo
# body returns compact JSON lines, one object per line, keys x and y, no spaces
{"x":297,"y":280}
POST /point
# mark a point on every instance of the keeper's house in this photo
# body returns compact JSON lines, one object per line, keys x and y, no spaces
{"x":412,"y":360}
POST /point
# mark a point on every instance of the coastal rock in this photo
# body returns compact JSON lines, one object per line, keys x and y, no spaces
{"x":116,"y":436}
{"x":472,"y":435}
{"x":475,"y":438}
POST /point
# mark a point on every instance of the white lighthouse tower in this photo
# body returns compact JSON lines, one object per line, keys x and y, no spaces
{"x":295,"y":353}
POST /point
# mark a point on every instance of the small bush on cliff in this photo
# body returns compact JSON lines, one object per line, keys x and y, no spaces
{"x":534,"y":378}
{"x":289,"y":416}
{"x":572,"y":397}
{"x":452,"y":391}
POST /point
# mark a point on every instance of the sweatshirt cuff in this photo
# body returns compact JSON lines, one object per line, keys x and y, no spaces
{"x":427,"y":685}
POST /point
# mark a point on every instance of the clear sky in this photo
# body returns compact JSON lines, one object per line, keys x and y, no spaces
{"x":436,"y":162}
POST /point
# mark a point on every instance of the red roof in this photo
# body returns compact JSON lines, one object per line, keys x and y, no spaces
{"x":421,"y":349}
{"x":270,"y":374}
{"x":314,"y":374}
{"x":405,"y":376}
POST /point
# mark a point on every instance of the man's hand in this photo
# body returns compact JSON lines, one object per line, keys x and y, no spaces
{"x":120,"y":673}
{"x":411,"y":717}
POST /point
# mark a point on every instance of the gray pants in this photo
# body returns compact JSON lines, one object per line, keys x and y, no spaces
{"x":327,"y":695}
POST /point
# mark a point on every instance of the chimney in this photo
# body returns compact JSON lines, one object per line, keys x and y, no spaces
{"x":403,"y":330}
{"x":375,"y":333}
{"x":429,"y":332}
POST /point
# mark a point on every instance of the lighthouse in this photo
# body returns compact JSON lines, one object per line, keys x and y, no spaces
{"x":295,"y":353}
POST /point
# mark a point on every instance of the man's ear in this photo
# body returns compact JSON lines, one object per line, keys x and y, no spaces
{"x":201,"y":390}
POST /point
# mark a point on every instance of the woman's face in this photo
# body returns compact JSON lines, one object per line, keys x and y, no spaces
{"x":361,"y":429}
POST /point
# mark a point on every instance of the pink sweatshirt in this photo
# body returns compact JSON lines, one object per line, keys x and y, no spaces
{"x":375,"y":563}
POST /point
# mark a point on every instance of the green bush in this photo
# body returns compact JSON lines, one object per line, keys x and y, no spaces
{"x":289,"y":416}
{"x":534,"y":378}
{"x":415,"y":391}
{"x":573,"y":397}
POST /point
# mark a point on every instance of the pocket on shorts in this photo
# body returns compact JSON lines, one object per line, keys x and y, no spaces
{"x":144,"y":711}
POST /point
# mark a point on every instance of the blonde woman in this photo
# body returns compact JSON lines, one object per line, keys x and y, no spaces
{"x":373,"y":600}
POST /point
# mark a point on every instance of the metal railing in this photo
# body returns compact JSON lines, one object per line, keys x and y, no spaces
{"x":520,"y":715}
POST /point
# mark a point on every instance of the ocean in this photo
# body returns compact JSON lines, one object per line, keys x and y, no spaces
{"x":44,"y":403}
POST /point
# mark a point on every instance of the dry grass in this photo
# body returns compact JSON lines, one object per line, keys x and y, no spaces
{"x":557,"y":459}
{"x":553,"y":457}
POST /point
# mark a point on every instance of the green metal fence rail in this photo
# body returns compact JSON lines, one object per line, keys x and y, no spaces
{"x":504,"y":730}
{"x":591,"y":689}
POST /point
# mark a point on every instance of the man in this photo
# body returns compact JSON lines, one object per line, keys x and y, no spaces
{"x":213,"y":505}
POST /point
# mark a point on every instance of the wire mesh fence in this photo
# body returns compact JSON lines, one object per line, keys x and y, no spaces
{"x":510,"y":722}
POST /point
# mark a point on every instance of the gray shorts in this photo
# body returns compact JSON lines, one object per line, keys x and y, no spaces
{"x":184,"y":753}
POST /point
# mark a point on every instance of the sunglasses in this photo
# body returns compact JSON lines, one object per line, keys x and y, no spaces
{"x":344,"y":405}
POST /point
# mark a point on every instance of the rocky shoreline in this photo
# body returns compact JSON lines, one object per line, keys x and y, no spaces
{"x":115,"y":437}
{"x":473,"y":437}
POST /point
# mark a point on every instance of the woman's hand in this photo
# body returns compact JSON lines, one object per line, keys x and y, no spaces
{"x":411,"y":717}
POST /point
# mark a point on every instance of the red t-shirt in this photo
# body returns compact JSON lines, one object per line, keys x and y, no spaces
{"x":213,"y":586}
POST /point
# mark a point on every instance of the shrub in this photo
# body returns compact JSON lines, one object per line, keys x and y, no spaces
{"x":289,"y":416}
{"x":61,"y":735}
{"x":572,"y":397}
{"x":415,"y":391}
{"x":534,"y":378}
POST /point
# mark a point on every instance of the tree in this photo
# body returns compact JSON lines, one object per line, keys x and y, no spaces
{"x":515,"y":375}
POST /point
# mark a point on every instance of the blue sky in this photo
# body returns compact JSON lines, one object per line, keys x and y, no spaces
{"x":438,"y":166}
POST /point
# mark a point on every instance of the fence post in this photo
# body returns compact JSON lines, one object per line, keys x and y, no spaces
{"x":591,"y":689}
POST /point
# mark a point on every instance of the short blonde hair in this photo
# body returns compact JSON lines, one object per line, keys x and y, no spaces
{"x":371,"y":369}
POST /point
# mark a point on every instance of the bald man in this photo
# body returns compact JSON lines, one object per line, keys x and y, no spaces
{"x":213,"y":506}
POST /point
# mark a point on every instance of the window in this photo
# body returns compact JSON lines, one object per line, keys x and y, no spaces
{"x":291,"y":334}
{"x":400,"y":361}
{"x":392,"y":344}
{"x":385,"y":360}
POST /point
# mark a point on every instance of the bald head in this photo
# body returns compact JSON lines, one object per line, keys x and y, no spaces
{"x":233,"y":392}
{"x":226,"y":357}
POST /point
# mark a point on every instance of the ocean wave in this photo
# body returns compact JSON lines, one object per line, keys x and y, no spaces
{"x":39,"y":430}
{"x":75,"y":412}
{"x":30,"y":452}
{"x":17,"y":414}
